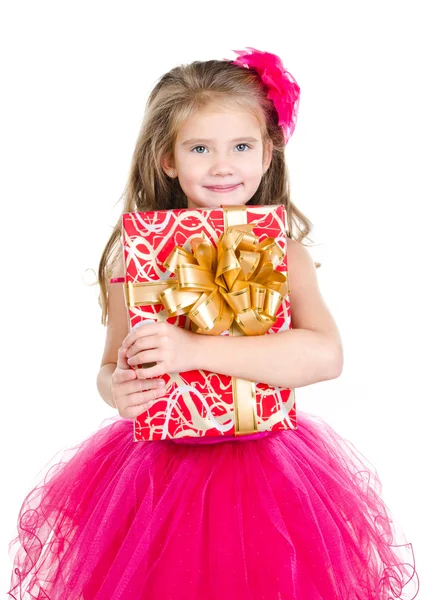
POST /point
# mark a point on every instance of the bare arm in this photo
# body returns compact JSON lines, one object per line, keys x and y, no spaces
{"x":103,"y":383}
{"x":290,"y":359}
{"x":116,"y":331}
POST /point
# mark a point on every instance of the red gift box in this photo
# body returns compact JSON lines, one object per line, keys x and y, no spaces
{"x":218,"y":272}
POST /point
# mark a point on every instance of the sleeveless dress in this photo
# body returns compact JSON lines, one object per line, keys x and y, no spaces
{"x":282,"y":515}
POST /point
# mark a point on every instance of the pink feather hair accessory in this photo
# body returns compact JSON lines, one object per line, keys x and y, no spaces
{"x":283,"y":88}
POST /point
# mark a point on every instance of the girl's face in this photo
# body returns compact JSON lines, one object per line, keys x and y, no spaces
{"x":219,"y":157}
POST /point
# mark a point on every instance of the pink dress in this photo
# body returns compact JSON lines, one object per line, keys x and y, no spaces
{"x":284,"y":515}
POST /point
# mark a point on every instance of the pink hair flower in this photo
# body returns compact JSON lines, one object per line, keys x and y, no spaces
{"x":283,"y":88}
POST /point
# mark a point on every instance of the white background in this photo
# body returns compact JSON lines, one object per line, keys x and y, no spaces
{"x":76,"y":76}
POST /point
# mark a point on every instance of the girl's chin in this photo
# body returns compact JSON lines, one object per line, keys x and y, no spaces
{"x":216,"y":202}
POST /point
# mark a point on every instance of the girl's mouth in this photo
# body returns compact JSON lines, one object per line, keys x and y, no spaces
{"x":222,"y":188}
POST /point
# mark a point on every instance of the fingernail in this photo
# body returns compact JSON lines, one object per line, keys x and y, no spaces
{"x":160,"y":382}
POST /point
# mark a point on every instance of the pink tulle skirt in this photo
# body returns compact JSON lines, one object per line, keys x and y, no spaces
{"x":292,"y":514}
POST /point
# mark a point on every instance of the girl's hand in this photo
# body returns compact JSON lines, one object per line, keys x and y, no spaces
{"x":133,"y":396}
{"x":172,"y":348}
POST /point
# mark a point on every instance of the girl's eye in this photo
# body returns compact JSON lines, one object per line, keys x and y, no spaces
{"x":239,"y":145}
{"x":196,"y":147}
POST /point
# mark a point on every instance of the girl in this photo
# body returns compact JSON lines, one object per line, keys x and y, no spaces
{"x":283,"y":515}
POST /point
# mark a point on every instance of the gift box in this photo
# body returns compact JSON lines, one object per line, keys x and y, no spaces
{"x":220,"y":271}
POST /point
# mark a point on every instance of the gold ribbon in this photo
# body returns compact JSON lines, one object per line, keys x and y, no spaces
{"x":234,"y":286}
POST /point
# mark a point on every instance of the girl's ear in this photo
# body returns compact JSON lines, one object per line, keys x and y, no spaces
{"x":168,"y":163}
{"x":267,"y":154}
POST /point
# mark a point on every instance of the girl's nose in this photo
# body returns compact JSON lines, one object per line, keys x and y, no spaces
{"x":222,"y":166}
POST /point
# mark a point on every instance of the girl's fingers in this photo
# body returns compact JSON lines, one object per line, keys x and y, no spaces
{"x":130,"y":393}
{"x":122,"y":359}
{"x":145,"y":385}
{"x":156,"y":371}
{"x":135,"y":385}
{"x":135,"y":411}
{"x":148,"y":330}
{"x":140,"y":402}
{"x":148,"y":356}
{"x":120,"y":376}
{"x":145,"y":343}
{"x":143,"y":397}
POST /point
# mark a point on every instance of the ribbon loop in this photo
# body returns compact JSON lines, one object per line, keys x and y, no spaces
{"x":244,"y":288}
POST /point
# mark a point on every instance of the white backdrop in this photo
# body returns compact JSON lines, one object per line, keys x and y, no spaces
{"x":77,"y":76}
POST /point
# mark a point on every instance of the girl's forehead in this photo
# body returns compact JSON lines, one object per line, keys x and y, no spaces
{"x":214,"y":116}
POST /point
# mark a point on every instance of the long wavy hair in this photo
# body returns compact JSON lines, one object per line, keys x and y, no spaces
{"x":177,"y":95}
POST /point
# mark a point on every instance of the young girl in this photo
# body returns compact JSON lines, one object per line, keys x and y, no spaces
{"x":282,"y":515}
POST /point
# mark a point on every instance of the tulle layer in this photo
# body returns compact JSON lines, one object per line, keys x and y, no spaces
{"x":292,"y":515}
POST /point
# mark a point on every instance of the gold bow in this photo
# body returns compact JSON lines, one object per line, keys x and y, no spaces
{"x":214,"y":287}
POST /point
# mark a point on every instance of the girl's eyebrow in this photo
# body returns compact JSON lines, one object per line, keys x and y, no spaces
{"x":205,"y":141}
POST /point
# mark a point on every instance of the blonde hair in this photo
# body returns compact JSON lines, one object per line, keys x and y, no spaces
{"x":177,"y":95}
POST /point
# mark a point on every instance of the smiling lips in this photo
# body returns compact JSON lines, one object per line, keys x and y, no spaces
{"x":222,"y":188}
